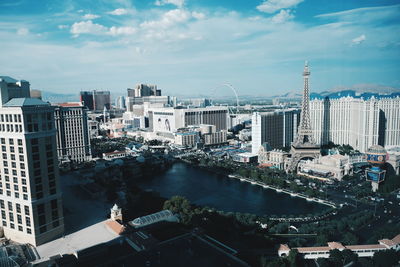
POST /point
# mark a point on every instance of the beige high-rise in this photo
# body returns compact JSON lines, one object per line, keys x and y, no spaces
{"x":30,"y":194}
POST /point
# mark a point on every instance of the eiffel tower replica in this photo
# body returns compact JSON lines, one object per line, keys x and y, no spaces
{"x":304,"y":145}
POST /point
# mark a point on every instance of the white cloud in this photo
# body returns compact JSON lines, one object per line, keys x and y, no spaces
{"x":80,"y":11}
{"x":62,"y":26}
{"x":90,"y":16}
{"x":168,"y":19}
{"x":178,"y":3}
{"x":366,"y":15}
{"x":198,"y":15}
{"x":271,"y":6}
{"x":23,"y":31}
{"x":121,"y":31}
{"x":283,"y":16}
{"x":87,"y":27}
{"x":119,"y":12}
{"x":358,"y":40}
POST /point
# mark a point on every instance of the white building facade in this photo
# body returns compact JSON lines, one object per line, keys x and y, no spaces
{"x":356,"y":121}
{"x":30,"y":194}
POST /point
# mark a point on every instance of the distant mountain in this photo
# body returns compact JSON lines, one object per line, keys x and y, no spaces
{"x":59,"y":98}
{"x":356,"y":90}
{"x":359,"y":89}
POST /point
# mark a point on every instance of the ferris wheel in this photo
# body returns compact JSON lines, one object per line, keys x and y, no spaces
{"x":233,"y":111}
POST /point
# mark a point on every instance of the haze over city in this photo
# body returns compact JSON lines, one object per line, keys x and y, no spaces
{"x":192,"y":46}
{"x":200,"y":133}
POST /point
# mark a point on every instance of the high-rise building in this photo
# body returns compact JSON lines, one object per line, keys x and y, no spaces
{"x":170,"y":119}
{"x":101,"y":99}
{"x":359,"y":121}
{"x":277,"y":128}
{"x":36,"y":94}
{"x":86,"y":97}
{"x":11,"y":88}
{"x":30,"y":195}
{"x":141,"y":90}
{"x":73,"y":142}
{"x":120,"y":102}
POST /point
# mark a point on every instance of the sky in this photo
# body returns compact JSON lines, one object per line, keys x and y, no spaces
{"x":193,"y":47}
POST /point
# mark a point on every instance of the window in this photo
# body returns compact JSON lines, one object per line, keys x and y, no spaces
{"x":7,"y":186}
{"x":24,"y":189}
{"x":4,"y":155}
{"x":3,"y":214}
{"x":53,"y":191}
{"x":16,"y":187}
{"x":56,"y":223}
{"x":20,"y":142}
{"x":14,"y":172}
{"x":20,"y":228}
{"x":21,"y":157}
{"x":1,"y":203}
{"x":23,"y":173}
{"x":22,"y":165}
{"x":18,"y":208}
{"x":3,"y":148}
{"x":16,"y":194}
{"x":26,"y":208}
{"x":25,"y":197}
{"x":5,"y":163}
{"x":13,"y":164}
{"x":23,"y":181}
{"x":28,"y":230}
{"x":10,"y":207}
{"x":11,"y":141}
{"x":12,"y":226}
{"x":28,"y":221}
{"x":54,"y":204}
{"x":40,"y":208}
{"x":11,"y":215}
{"x":39,"y":188}
{"x":4,"y":223}
{"x":42,"y":220}
{"x":19,"y":219}
{"x":54,"y":214}
{"x":20,"y":150}
{"x":12,"y":150}
{"x":15,"y":180}
{"x":39,"y":195}
{"x":12,"y":156}
{"x":42,"y":229}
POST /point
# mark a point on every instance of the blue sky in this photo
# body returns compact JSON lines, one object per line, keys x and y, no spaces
{"x":191,"y":47}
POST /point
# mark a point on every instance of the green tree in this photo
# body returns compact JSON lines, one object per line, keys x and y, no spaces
{"x":180,"y":205}
{"x":294,"y":258}
{"x":386,"y":258}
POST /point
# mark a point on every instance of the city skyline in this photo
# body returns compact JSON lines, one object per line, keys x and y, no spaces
{"x":195,"y":46}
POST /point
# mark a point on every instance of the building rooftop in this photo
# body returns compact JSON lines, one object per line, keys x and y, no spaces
{"x":23,"y":102}
{"x":8,"y":79}
{"x":70,"y":104}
